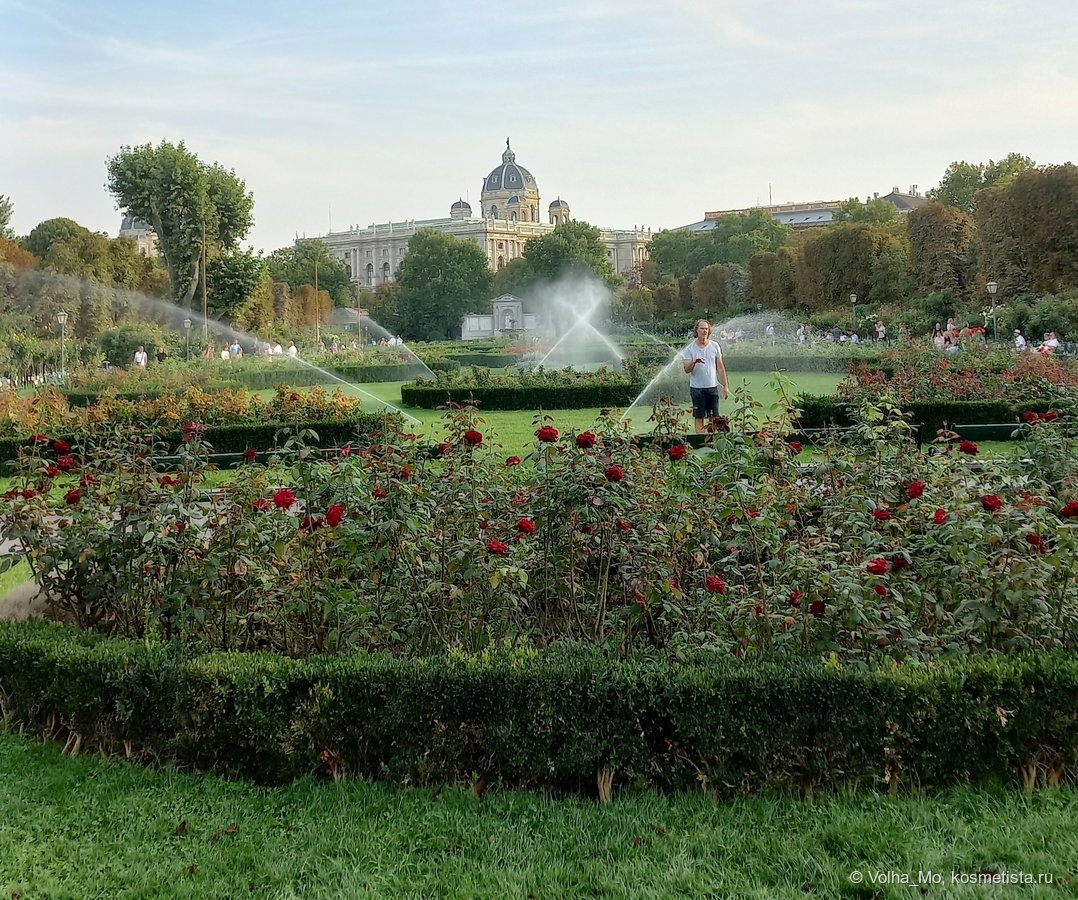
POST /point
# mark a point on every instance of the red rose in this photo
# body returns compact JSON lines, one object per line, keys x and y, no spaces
{"x":192,"y":430}
{"x":250,"y":455}
{"x":513,"y":461}
{"x":547,"y":434}
{"x":1037,"y":541}
{"x":752,"y":513}
{"x":295,"y":398}
{"x":169,"y":481}
{"x":284,"y":498}
{"x":1030,"y":417}
{"x":346,"y":451}
{"x":260,"y":505}
{"x":11,"y":495}
{"x":404,"y":474}
{"x":87,"y":480}
{"x":73,"y":497}
{"x":795,"y":447}
{"x":65,"y":463}
{"x":1049,"y":416}
{"x":991,"y":503}
{"x":795,"y":598}
{"x":900,"y":562}
{"x":28,"y":493}
{"x":1070,"y":510}
{"x":586,"y":440}
{"x":379,"y":493}
{"x":622,"y":525}
{"x":334,"y":515}
{"x":38,"y":439}
{"x":605,"y":413}
{"x":817,"y":607}
{"x":473,"y":438}
{"x":715,"y":584}
{"x":677,"y":452}
{"x":880,"y":589}
{"x":526,"y":525}
{"x":443,"y":447}
{"x":878,"y":566}
{"x":497,"y":548}
{"x":881,"y":515}
{"x":940,"y":518}
{"x":61,"y":448}
{"x":52,"y":471}
{"x":614,"y":473}
{"x":916,"y":490}
{"x":969,"y":448}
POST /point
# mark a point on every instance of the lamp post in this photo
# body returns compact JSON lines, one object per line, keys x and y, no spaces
{"x":187,"y":329}
{"x":61,"y":317}
{"x":992,"y":286}
{"x":853,"y":308}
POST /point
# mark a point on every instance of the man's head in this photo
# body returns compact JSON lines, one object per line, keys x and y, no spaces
{"x":703,"y":329}
{"x":142,"y":349}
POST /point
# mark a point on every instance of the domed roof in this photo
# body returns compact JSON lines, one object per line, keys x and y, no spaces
{"x":461,"y":204}
{"x":514,"y":200}
{"x":509,"y":176}
{"x":558,"y":204}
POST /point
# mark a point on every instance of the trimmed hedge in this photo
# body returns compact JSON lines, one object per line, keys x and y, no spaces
{"x":576,"y":396}
{"x":824,"y":412}
{"x":494,"y":360}
{"x":789,"y":359}
{"x":555,"y":720}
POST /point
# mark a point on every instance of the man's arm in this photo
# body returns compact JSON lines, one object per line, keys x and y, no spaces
{"x":691,"y":360}
{"x":720,"y":370}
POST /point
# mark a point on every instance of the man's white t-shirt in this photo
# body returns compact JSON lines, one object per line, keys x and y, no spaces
{"x":140,"y":358}
{"x":292,"y":352}
{"x":1019,"y":342}
{"x":704,"y":374}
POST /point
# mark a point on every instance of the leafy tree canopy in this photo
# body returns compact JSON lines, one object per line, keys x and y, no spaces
{"x":441,"y":280}
{"x":7,"y":209}
{"x":178,"y":195}
{"x":734,"y":239}
{"x":962,"y":180}
{"x":571,"y":247}
{"x":234,"y":278}
{"x":876,"y":211}
{"x":295,"y":266}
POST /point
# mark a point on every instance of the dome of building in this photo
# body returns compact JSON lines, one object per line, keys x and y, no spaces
{"x":461,"y":209}
{"x":509,"y":176}
{"x":559,"y":212}
{"x":510,"y":191}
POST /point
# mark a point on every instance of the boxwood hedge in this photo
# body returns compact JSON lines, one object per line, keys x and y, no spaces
{"x":572,"y":396}
{"x":528,"y":719}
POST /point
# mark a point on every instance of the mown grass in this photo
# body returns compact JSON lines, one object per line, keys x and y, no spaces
{"x":84,"y":828}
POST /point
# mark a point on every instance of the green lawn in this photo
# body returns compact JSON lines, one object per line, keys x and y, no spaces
{"x":83,"y":828}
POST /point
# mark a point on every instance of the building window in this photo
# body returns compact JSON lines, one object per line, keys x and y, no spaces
{"x":370,"y":273}
{"x":385,"y":271}
{"x":385,"y":252}
{"x":370,"y":253}
{"x":348,"y":269}
{"x":501,"y":245}
{"x":494,"y":212}
{"x":400,"y":251}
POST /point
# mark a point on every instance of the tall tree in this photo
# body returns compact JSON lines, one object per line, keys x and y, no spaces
{"x":7,"y":209}
{"x":962,"y":180}
{"x":877,"y":211}
{"x":441,"y":280}
{"x":572,"y":246}
{"x":940,"y":238}
{"x":295,"y":266}
{"x":181,"y":198}
{"x":235,"y":278}
{"x":733,"y":239}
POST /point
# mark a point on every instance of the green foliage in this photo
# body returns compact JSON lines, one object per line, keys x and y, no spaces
{"x":963,"y":181}
{"x":181,"y":198}
{"x":52,"y":231}
{"x":441,"y":280}
{"x":234,"y":278}
{"x":773,"y":278}
{"x":295,"y":266}
{"x":118,"y":345}
{"x":734,"y":239}
{"x":875,"y":212}
{"x":515,"y":393}
{"x":552,"y":719}
{"x":572,"y":248}
{"x":7,"y":209}
{"x":842,"y":261}
{"x":940,"y":249}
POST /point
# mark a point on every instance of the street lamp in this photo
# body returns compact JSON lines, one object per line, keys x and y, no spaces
{"x":853,"y":306}
{"x":187,"y":329}
{"x":995,"y":325}
{"x":61,"y":317}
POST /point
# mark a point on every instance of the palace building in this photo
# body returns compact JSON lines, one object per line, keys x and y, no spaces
{"x":510,"y":213}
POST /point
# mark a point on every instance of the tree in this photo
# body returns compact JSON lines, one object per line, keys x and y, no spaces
{"x":234,"y":279}
{"x":877,"y":211}
{"x":441,"y":280}
{"x":7,"y":209}
{"x":940,"y":238}
{"x":571,"y":247}
{"x":311,"y":304}
{"x":383,"y":305}
{"x":52,"y":231}
{"x":15,"y":255}
{"x":772,"y":276}
{"x":711,"y":287}
{"x":962,"y":180}
{"x":181,"y":198}
{"x":838,"y":262}
{"x":295,"y":266}
{"x":513,"y":278}
{"x":733,"y":239}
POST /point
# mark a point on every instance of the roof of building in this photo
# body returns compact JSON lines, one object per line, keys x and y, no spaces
{"x":461,"y":204}
{"x":905,"y":202}
{"x":559,"y":203}
{"x":509,"y":176}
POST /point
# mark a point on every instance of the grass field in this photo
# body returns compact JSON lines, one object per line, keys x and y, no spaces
{"x":83,"y":828}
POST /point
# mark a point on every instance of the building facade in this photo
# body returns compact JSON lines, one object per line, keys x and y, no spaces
{"x":509,"y":215}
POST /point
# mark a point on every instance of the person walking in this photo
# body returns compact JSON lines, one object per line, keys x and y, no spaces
{"x":704,"y":366}
{"x":141,"y":358}
{"x":1020,"y":341}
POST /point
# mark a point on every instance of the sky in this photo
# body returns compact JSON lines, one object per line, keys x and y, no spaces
{"x":637,"y":112}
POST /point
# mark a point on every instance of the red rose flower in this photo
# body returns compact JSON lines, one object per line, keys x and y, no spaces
{"x":900,"y":562}
{"x":677,"y":452}
{"x":497,"y":548}
{"x":1037,"y":541}
{"x":87,"y":480}
{"x":192,"y":430}
{"x":878,"y":566}
{"x":795,"y":447}
{"x":38,"y":439}
{"x":73,"y":497}
{"x":881,"y":515}
{"x":622,"y":525}
{"x":547,"y":434}
{"x":28,"y":493}
{"x":605,"y":413}
{"x":65,"y":463}
{"x":11,"y":495}
{"x":250,"y":455}
{"x":614,"y":473}
{"x":527,"y":526}
{"x":379,"y":493}
{"x":295,"y":398}
{"x":991,"y":503}
{"x":404,"y":474}
{"x":1070,"y":510}
{"x":586,"y":440}
{"x":169,"y":481}
{"x":916,"y":490}
{"x":52,"y":471}
{"x":443,"y":447}
{"x":260,"y":505}
{"x":334,"y":515}
{"x":346,"y":451}
{"x":61,"y":448}
{"x":1049,"y":416}
{"x":880,"y":589}
{"x":940,"y":518}
{"x":795,"y":598}
{"x":473,"y":438}
{"x":1030,"y":417}
{"x":752,"y":513}
{"x":817,"y":607}
{"x":309,"y":524}
{"x":513,"y":461}
{"x":284,"y":498}
{"x":969,"y":448}
{"x":715,"y":584}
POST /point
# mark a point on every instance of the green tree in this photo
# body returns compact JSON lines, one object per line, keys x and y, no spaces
{"x":772,"y":277}
{"x":962,"y":180}
{"x":733,"y":239}
{"x":572,"y":246}
{"x":441,"y":280}
{"x":940,"y":249}
{"x":7,"y":209}
{"x":383,"y":304}
{"x":181,"y":198}
{"x":838,"y":262}
{"x":878,"y":212}
{"x":52,"y":231}
{"x":295,"y":266}
{"x":712,"y":285}
{"x":234,"y":278}
{"x":513,"y":278}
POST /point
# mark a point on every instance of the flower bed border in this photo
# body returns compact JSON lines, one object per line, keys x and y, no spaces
{"x":558,"y":720}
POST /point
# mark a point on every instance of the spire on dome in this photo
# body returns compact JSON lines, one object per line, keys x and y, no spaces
{"x":508,"y":156}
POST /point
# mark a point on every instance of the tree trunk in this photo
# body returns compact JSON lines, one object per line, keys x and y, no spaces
{"x":189,"y":294}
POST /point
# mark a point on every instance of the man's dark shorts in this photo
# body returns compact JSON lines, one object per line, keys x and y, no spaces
{"x":705,"y":402}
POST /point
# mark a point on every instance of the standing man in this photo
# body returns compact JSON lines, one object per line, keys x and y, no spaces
{"x":140,"y":357}
{"x":703,"y":365}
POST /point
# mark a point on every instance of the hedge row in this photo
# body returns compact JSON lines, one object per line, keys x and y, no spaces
{"x":494,"y":360}
{"x":792,"y":360}
{"x":823,"y":412}
{"x":574,"y":396}
{"x":553,"y":720}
